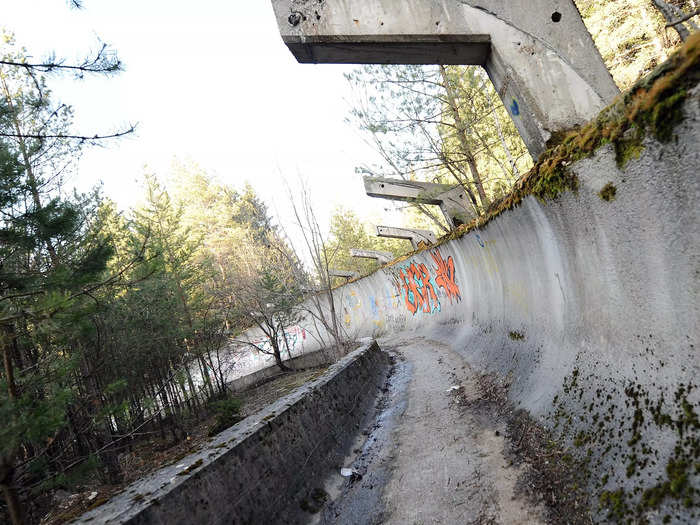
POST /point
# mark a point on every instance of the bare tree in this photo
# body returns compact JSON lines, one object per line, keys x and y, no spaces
{"x":676,"y":18}
{"x":266,"y":297}
{"x":441,"y":124}
{"x":320,"y":302}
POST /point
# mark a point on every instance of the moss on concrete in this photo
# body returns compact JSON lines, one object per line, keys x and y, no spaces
{"x":652,"y":106}
{"x":621,"y":442}
{"x":516,"y":336}
{"x":608,"y":192}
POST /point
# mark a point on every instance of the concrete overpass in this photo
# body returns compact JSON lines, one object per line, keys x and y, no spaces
{"x":538,"y":54}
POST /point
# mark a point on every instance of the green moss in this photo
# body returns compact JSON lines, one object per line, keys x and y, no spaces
{"x":615,"y":502}
{"x":516,"y":336}
{"x":581,"y":439}
{"x":666,"y":114}
{"x":608,"y":192}
{"x":627,"y":149}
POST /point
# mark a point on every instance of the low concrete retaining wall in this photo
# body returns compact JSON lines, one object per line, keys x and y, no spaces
{"x":310,"y":360}
{"x":267,"y":463}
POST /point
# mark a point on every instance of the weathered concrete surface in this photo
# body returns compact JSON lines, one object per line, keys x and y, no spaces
{"x":428,"y":460}
{"x":345,"y":274}
{"x":413,"y":235}
{"x":542,"y":59}
{"x":590,"y":307}
{"x":380,"y":257}
{"x":310,"y":360}
{"x":452,"y":199}
{"x":265,"y":465}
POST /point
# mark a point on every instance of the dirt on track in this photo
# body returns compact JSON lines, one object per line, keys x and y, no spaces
{"x":449,"y":462}
{"x":447,"y":446}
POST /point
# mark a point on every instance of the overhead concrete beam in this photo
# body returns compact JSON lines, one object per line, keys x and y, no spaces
{"x":415,"y":236}
{"x":452,"y":199}
{"x":380,"y":257}
{"x":392,"y":49}
{"x":345,"y":274}
{"x":538,"y":53}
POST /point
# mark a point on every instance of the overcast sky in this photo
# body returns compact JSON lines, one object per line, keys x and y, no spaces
{"x":209,"y":81}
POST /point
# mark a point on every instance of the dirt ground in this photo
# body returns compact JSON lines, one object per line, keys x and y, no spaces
{"x":450,"y":466}
{"x":448,"y":447}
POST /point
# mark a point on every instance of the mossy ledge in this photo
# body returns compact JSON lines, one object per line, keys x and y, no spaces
{"x":652,"y":105}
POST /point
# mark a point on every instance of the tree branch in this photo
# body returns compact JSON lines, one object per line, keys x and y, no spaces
{"x":82,"y":138}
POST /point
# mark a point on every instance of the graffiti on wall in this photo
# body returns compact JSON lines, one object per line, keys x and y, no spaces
{"x":421,"y":286}
{"x":351,"y":304}
{"x":296,"y":336}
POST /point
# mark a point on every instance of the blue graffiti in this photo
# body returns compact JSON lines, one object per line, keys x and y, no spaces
{"x":478,"y":239}
{"x":514,"y":109}
{"x":373,"y":306}
{"x":418,"y":288}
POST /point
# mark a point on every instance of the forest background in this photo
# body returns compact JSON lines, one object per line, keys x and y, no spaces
{"x":116,"y":321}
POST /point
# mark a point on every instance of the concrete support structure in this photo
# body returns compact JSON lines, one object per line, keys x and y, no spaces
{"x":538,"y":53}
{"x":415,"y":236}
{"x":380,"y":257}
{"x":345,"y":274}
{"x":452,"y":199}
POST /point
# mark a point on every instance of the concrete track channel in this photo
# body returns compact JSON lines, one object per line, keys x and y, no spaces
{"x":426,"y":459}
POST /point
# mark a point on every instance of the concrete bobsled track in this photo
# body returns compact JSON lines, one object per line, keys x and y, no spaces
{"x":586,"y":305}
{"x":589,"y":305}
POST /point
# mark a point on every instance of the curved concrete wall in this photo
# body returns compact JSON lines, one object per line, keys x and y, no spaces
{"x":591,"y":309}
{"x":589,"y":306}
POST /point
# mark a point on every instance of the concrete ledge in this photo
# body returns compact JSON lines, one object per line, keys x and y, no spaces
{"x":267,"y":463}
{"x":310,"y":360}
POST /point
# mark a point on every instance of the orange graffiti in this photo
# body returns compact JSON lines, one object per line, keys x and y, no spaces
{"x":419,"y":291}
{"x":411,"y":291}
{"x":428,"y":291}
{"x":445,"y":278}
{"x":419,"y":288}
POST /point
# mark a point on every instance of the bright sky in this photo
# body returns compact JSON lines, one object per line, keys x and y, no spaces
{"x":209,"y":81}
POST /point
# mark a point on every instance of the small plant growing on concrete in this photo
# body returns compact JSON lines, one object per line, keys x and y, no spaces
{"x":516,"y":336}
{"x":608,"y":192}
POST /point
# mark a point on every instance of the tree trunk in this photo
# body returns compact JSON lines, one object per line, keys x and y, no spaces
{"x":462,"y":137}
{"x":652,"y":31}
{"x":9,"y":492}
{"x":499,"y":130}
{"x":7,"y":469}
{"x":286,"y":345}
{"x":277,"y":355}
{"x":7,"y":342}
{"x":668,"y":12}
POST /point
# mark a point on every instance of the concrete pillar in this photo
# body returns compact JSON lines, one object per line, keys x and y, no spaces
{"x":538,"y":53}
{"x":380,"y":257}
{"x":451,"y":198}
{"x":415,"y":236}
